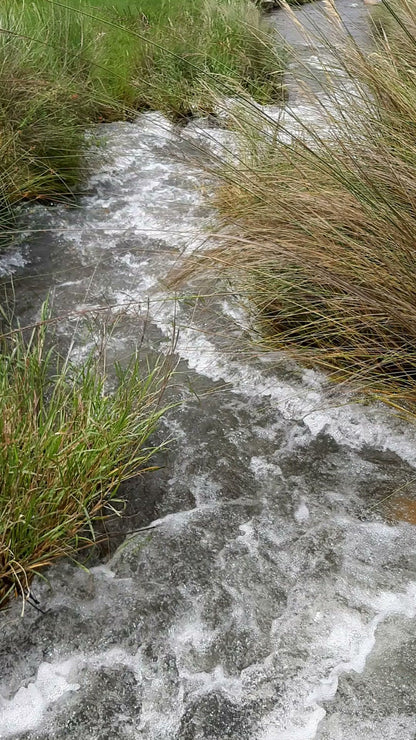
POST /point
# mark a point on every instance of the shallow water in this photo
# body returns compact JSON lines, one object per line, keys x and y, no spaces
{"x":269,"y":599}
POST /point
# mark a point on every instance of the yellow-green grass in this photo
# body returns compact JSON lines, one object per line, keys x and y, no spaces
{"x":69,"y":437}
{"x":321,"y":227}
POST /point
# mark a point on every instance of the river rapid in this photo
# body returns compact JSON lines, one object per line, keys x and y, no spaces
{"x":269,"y":597}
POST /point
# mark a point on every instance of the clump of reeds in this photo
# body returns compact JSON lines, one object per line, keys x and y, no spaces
{"x":67,"y":442}
{"x":321,"y":217}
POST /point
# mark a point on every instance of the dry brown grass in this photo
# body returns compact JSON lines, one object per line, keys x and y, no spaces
{"x":322,"y":228}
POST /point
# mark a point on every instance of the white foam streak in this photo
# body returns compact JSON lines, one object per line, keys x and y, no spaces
{"x":24,"y":712}
{"x":358,"y":639}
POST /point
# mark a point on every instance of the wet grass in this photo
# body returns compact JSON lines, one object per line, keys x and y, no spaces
{"x":321,"y":217}
{"x":69,"y":436}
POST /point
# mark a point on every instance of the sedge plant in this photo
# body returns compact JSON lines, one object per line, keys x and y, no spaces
{"x":320,"y":216}
{"x":69,"y":436}
{"x":65,"y":64}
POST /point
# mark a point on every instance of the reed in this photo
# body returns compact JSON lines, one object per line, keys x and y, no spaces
{"x":321,"y":217}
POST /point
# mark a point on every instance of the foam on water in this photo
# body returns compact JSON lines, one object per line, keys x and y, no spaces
{"x":260,"y":582}
{"x":356,"y":640}
{"x":10,"y":262}
{"x":26,"y":709}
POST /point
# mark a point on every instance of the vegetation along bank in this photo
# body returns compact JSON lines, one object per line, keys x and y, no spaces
{"x":323,"y":221}
{"x":64,"y":65}
{"x":69,"y":436}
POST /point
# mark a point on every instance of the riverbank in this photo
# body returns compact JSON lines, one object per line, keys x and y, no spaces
{"x":323,"y":214}
{"x":65,"y":66}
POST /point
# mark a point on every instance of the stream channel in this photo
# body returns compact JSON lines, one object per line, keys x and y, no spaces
{"x":270,"y":599}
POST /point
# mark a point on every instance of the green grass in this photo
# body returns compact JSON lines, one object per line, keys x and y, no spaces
{"x":69,"y":436}
{"x":66,"y":65}
{"x":321,"y":229}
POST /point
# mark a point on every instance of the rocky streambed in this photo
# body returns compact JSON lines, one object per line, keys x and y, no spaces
{"x":270,"y":596}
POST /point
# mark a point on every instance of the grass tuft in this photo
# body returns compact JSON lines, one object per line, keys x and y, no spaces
{"x":67,"y":442}
{"x":321,"y":217}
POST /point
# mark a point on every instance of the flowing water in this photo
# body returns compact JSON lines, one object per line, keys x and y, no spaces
{"x":268,"y":598}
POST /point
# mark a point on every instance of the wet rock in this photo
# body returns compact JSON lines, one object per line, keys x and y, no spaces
{"x":212,"y":717}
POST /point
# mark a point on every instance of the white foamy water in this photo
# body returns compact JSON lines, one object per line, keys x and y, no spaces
{"x":27,"y":707}
{"x":264,"y":597}
{"x":10,"y":262}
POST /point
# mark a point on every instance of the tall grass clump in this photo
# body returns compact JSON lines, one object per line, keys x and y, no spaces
{"x":321,"y":216}
{"x":64,"y":65}
{"x":192,"y":47}
{"x":69,"y":437}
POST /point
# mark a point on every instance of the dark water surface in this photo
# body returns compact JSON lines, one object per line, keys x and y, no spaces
{"x":270,"y":600}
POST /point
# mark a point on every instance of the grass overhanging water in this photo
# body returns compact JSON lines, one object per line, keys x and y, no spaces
{"x":320,"y":217}
{"x":70,"y":434}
